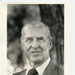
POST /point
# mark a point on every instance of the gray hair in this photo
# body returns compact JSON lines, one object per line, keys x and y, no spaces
{"x":37,"y":24}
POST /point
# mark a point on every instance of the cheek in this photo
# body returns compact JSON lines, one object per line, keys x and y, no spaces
{"x":45,"y":48}
{"x":25,"y":46}
{"x":25,"y":50}
{"x":44,"y":45}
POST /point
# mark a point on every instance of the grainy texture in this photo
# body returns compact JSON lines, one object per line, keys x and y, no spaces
{"x":50,"y":14}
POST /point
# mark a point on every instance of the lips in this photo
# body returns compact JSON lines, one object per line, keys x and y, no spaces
{"x":36,"y":52}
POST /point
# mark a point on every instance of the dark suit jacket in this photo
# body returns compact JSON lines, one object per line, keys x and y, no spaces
{"x":51,"y":69}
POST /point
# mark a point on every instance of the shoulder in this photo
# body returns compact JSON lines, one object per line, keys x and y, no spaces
{"x":54,"y":69}
{"x":59,"y":70}
{"x":21,"y":72}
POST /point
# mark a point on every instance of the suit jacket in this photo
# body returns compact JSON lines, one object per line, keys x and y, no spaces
{"x":51,"y":69}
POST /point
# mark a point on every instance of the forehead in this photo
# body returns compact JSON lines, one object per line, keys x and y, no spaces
{"x":37,"y":31}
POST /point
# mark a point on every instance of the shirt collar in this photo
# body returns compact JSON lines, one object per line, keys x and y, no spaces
{"x":41,"y":68}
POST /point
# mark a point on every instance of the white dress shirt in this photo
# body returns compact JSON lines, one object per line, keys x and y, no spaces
{"x":41,"y":68}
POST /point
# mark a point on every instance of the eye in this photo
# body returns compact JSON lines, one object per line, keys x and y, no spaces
{"x":28,"y":40}
{"x":41,"y":39}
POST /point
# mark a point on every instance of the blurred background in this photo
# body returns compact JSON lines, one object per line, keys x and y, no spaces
{"x":19,"y":14}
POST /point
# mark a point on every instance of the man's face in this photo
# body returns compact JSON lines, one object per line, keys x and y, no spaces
{"x":35,"y":44}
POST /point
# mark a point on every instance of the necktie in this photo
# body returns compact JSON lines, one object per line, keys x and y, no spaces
{"x":32,"y":72}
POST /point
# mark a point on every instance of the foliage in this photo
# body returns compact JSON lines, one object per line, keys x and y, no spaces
{"x":50,"y":14}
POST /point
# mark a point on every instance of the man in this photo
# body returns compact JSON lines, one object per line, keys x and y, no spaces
{"x":36,"y":42}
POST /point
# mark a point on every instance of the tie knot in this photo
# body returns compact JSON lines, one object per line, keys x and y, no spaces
{"x":32,"y":72}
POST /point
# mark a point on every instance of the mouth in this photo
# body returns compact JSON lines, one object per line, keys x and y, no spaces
{"x":36,"y":52}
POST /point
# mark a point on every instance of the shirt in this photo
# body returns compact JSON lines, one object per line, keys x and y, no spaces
{"x":40,"y":69}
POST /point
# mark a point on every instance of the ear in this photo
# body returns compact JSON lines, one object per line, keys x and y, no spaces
{"x":50,"y":45}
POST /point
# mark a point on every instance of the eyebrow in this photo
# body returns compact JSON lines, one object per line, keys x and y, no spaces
{"x":28,"y":38}
{"x":39,"y":37}
{"x":32,"y":37}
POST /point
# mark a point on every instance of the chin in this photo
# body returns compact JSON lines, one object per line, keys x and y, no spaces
{"x":37,"y":60}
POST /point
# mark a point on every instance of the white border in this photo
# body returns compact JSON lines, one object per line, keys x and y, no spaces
{"x":73,"y":37}
{"x":67,"y":36}
{"x":35,"y":1}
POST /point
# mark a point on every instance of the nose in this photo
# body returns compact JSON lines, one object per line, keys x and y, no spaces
{"x":35,"y":44}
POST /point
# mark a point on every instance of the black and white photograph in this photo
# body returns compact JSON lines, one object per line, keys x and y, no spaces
{"x":35,"y":39}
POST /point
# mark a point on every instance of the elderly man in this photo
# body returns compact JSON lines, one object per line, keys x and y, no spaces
{"x":36,"y":42}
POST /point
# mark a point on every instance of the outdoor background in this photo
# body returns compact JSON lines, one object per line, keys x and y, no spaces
{"x":19,"y":14}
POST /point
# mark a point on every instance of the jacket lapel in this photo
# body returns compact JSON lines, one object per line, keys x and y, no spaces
{"x":23,"y":72}
{"x":51,"y":69}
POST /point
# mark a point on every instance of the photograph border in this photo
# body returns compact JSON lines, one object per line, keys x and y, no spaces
{"x":67,"y":36}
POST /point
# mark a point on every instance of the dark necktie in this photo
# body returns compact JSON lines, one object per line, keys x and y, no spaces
{"x":32,"y":72}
